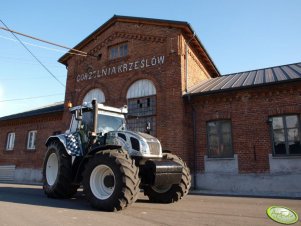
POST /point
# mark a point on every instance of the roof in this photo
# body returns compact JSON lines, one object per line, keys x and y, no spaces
{"x":249,"y":79}
{"x":184,"y":26}
{"x":56,"y":107}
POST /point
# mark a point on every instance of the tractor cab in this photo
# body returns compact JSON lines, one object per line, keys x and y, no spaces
{"x":97,"y":120}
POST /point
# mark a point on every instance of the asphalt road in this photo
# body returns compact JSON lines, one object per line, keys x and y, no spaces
{"x":27,"y":205}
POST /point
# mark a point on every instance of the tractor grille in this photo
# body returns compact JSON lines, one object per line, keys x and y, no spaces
{"x":153,"y":143}
{"x":154,"y":148}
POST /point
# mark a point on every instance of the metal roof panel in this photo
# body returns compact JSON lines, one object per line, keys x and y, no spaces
{"x":269,"y":76}
{"x":231,"y":81}
{"x":296,"y":68}
{"x":202,"y":85}
{"x":240,"y":80}
{"x":279,"y":74}
{"x":250,"y":78}
{"x":208,"y":86}
{"x":221,"y":83}
{"x":259,"y":77}
{"x":291,"y":73}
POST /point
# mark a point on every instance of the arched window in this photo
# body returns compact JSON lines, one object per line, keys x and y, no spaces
{"x":95,"y":94}
{"x":141,"y":97}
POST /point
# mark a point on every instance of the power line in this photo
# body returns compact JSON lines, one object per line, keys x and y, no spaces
{"x":34,"y":56}
{"x":29,"y":98}
{"x":42,"y":47}
{"x":41,"y":40}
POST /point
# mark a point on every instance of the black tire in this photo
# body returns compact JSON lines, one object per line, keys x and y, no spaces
{"x":111,"y":180}
{"x":170,"y":193}
{"x":57,"y":179}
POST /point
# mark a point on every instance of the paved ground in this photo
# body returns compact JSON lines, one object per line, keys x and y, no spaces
{"x":27,"y":205}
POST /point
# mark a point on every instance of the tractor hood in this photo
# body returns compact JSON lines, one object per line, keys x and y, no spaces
{"x":136,"y":143}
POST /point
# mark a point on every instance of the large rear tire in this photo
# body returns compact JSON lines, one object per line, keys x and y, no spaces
{"x":57,"y":173}
{"x":170,"y":193}
{"x":111,"y":180}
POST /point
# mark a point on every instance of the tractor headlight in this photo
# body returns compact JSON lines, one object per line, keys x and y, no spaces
{"x":144,"y":148}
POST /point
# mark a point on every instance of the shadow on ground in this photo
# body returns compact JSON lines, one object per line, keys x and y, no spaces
{"x":34,"y":195}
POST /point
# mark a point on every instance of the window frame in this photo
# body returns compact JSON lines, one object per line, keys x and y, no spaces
{"x":73,"y":124}
{"x":286,"y":140}
{"x":34,"y":137}
{"x":10,"y":142}
{"x":219,"y":134}
{"x":117,"y":48}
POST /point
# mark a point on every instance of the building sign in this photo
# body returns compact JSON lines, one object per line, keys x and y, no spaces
{"x":121,"y":68}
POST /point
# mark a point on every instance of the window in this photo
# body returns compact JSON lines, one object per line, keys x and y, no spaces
{"x":10,"y":141}
{"x":141,"y":97}
{"x":219,"y":139}
{"x":286,"y":135}
{"x":73,"y":124}
{"x":31,"y":140}
{"x":116,"y":51}
{"x":141,"y":116}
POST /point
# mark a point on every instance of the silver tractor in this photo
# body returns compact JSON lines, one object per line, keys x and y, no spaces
{"x":112,"y":163}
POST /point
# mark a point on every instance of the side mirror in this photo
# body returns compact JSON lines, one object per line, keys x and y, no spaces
{"x":148,"y":127}
{"x":79,"y":115}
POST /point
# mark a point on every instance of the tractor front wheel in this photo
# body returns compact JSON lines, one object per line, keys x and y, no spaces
{"x":111,"y":180}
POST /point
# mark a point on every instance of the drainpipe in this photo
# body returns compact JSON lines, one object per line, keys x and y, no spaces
{"x":194,"y":148}
{"x":186,"y":62}
{"x":194,"y":142}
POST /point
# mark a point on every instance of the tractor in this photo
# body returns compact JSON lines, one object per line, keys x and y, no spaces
{"x":111,"y":163}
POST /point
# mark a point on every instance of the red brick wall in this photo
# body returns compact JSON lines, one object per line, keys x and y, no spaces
{"x":20,"y":155}
{"x":145,"y":41}
{"x":249,"y":111}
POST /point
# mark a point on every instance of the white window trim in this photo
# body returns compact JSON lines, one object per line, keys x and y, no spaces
{"x":31,"y":145}
{"x":10,"y":142}
{"x":141,"y":88}
{"x":95,"y":94}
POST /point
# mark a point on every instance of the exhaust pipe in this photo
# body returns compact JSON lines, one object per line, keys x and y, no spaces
{"x":95,"y":117}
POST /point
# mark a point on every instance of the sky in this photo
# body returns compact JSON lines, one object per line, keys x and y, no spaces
{"x":239,"y":35}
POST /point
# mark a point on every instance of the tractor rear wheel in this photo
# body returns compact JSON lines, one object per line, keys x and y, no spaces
{"x":57,"y":172}
{"x":111,"y":180}
{"x":173,"y":192}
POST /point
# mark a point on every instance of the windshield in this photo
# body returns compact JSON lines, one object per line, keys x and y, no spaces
{"x":108,"y":123}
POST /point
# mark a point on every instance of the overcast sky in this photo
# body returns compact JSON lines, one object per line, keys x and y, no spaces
{"x":239,"y":35}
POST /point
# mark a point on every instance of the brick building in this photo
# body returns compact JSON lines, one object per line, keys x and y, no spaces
{"x":238,"y":133}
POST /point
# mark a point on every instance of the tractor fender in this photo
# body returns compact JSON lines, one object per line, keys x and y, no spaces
{"x":71,"y":143}
{"x":59,"y":138}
